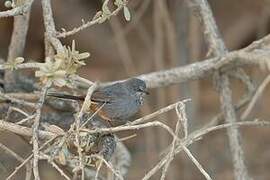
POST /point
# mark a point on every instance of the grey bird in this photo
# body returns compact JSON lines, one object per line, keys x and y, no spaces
{"x":120,"y":100}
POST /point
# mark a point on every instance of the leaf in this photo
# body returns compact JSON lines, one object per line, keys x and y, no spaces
{"x":84,"y":55}
{"x":19,"y":60}
{"x":105,"y":9}
{"x":59,"y":73}
{"x":127,"y":13}
{"x":73,"y":45}
{"x":118,"y":2}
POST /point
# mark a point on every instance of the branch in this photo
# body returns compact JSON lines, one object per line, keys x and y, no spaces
{"x":17,"y":44}
{"x":18,"y":101}
{"x":204,"y":68}
{"x":177,"y":133}
{"x":85,"y":107}
{"x":28,"y":170}
{"x":194,"y":71}
{"x":95,"y":20}
{"x":25,"y":131}
{"x":218,"y":48}
{"x":256,"y":96}
{"x":197,"y":135}
{"x":10,"y":152}
{"x":50,"y":26}
{"x":35,"y":130}
{"x":20,"y":10}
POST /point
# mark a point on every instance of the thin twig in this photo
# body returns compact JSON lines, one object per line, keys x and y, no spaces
{"x":218,"y":48}
{"x":98,"y":169}
{"x":23,"y":66}
{"x":20,"y":111}
{"x":20,"y":10}
{"x":12,"y":153}
{"x":93,"y":115}
{"x":28,"y":171}
{"x":171,"y":153}
{"x":131,"y":127}
{"x":156,"y":113}
{"x":85,"y":108}
{"x":88,"y":24}
{"x":24,"y":131}
{"x":28,"y":159}
{"x":55,"y":166}
{"x":35,"y":130}
{"x":198,"y":165}
{"x":197,"y":135}
{"x":18,"y":101}
{"x":25,"y":119}
{"x":19,"y":167}
{"x":116,"y":173}
{"x":50,"y":26}
{"x":256,"y":96}
{"x":127,"y":137}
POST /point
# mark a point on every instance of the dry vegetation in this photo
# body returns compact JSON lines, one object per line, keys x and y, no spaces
{"x":76,"y":143}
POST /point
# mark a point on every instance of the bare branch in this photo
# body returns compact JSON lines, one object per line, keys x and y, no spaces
{"x":218,"y":48}
{"x":50,"y":26}
{"x":55,"y":166}
{"x":171,"y":153}
{"x":35,"y":130}
{"x":85,"y":108}
{"x":194,"y":71}
{"x":28,"y":159}
{"x":18,"y":101}
{"x":95,"y":20}
{"x":254,"y":99}
{"x":28,"y":166}
{"x":20,"y":10}
{"x":197,"y":135}
{"x":196,"y":162}
{"x":24,"y":131}
{"x":16,"y":46}
{"x":12,"y":153}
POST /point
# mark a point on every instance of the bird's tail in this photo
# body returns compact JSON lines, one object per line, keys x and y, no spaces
{"x":66,"y":96}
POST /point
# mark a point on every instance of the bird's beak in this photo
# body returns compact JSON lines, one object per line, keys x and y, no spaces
{"x":146,"y":92}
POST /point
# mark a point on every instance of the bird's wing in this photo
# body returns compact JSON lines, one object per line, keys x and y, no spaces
{"x":108,"y":94}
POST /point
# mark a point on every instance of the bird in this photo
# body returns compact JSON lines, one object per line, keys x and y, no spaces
{"x":119,"y":101}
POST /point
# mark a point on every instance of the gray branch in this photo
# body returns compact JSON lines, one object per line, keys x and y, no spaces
{"x":218,"y":48}
{"x":17,"y":44}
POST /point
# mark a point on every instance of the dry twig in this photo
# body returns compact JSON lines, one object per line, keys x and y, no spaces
{"x":35,"y":130}
{"x":218,"y":48}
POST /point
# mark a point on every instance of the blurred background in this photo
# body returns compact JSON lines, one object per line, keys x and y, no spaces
{"x":161,"y":35}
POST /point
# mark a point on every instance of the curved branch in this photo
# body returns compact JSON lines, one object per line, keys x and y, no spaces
{"x":20,"y":10}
